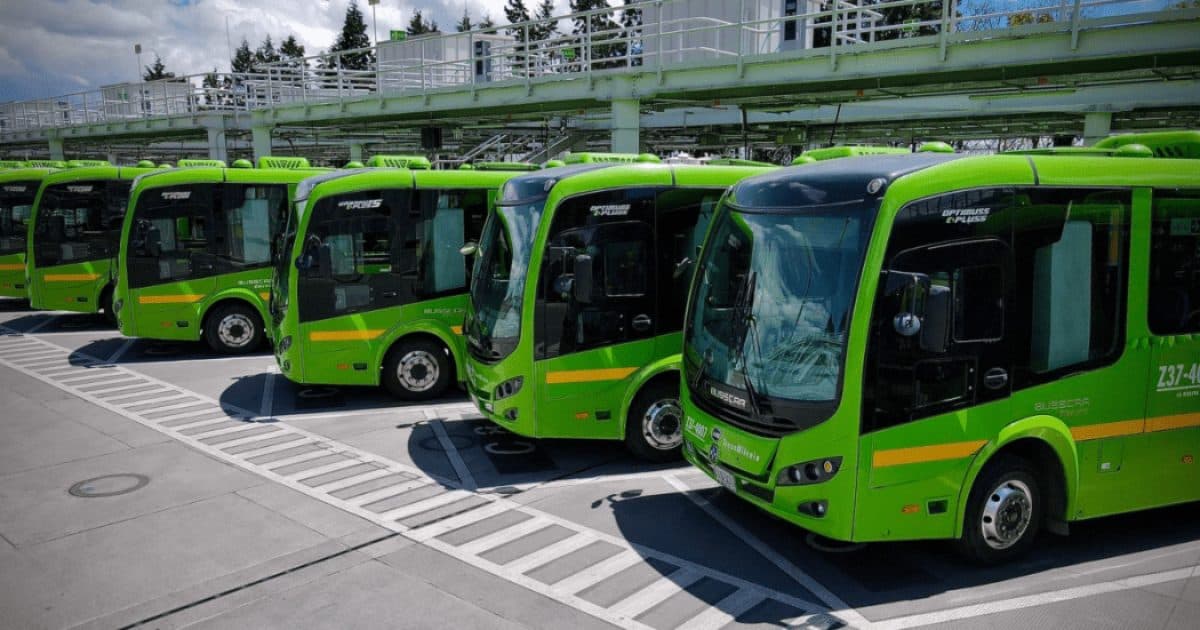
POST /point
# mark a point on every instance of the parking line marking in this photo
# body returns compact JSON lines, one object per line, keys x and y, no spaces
{"x":120,"y":352}
{"x":116,"y":387}
{"x":503,"y":537}
{"x":367,"y":498}
{"x":41,"y":325}
{"x":549,"y":553}
{"x":197,"y":423}
{"x":655,"y":593}
{"x":267,"y":407}
{"x":451,"y":492}
{"x":298,"y":459}
{"x":157,"y":404}
{"x":326,"y":469}
{"x":225,"y":446}
{"x":458,"y":521}
{"x":456,"y":461}
{"x":237,"y":435}
{"x":724,"y":612}
{"x":598,"y":572}
{"x":1039,"y":599}
{"x":841,"y":609}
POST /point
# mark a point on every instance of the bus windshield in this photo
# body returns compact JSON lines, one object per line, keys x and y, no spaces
{"x":16,"y":199}
{"x":770,"y":311}
{"x":80,"y":221}
{"x":498,"y":282}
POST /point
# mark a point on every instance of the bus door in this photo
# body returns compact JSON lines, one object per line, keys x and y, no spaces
{"x":353,"y":265}
{"x":596,"y":313}
{"x":940,"y":362}
{"x":1173,"y":405}
{"x":172,"y":261}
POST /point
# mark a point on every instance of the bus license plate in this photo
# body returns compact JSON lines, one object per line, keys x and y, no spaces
{"x":725,"y":478}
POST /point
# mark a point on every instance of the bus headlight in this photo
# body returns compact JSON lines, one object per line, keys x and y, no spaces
{"x":811,"y":472}
{"x":508,"y":388}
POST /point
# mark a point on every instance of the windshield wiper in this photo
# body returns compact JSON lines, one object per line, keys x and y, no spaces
{"x":743,"y":318}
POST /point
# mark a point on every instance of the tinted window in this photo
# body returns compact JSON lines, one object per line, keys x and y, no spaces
{"x":683,"y":218}
{"x":248,"y":216}
{"x":609,"y":236}
{"x":80,"y":221}
{"x":171,"y":238}
{"x":16,"y":201}
{"x":1175,"y":263}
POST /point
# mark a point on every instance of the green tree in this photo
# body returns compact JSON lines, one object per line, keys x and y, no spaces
{"x":486,"y":22}
{"x":266,"y":52}
{"x":353,"y":37}
{"x":546,"y":27}
{"x":515,"y":12}
{"x":631,"y":32}
{"x":157,"y":71}
{"x":211,"y":84}
{"x":293,"y":52}
{"x":602,"y":28}
{"x":418,"y":26}
{"x":243,"y":58}
{"x":464,"y":23}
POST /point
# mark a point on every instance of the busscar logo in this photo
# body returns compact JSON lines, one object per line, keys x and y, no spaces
{"x":610,"y":210}
{"x":727,"y":398}
{"x":361,"y":204}
{"x":14,"y":189}
{"x":177,"y":195}
{"x":966,"y":215}
{"x":80,"y":189}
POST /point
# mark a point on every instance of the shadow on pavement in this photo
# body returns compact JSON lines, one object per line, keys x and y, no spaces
{"x":14,"y":305}
{"x":886,"y":573}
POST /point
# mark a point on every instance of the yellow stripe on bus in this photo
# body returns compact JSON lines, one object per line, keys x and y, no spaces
{"x":183,"y":298}
{"x":1170,"y":423}
{"x":70,"y":277}
{"x":12,"y":267}
{"x":922,"y":454}
{"x":344,"y":335}
{"x":1107,"y":430}
{"x":588,"y":376}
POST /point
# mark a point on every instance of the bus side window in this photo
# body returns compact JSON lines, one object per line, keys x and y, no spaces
{"x":248,"y":216}
{"x":1175,"y":263}
{"x":682,"y":215}
{"x":170,"y":237}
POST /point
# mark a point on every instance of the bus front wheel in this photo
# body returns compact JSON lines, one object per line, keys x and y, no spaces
{"x":417,"y":369}
{"x":1004,"y":511}
{"x":654,"y":426}
{"x":233,"y":329}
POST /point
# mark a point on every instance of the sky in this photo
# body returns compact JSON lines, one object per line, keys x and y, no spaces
{"x":55,"y":47}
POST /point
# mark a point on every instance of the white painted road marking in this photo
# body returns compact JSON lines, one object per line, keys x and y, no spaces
{"x":316,"y":447}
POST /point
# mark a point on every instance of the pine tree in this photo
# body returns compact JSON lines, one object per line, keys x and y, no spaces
{"x":486,"y":22}
{"x":293,"y":52}
{"x":266,"y":52}
{"x":243,"y":59}
{"x":516,"y":12}
{"x":631,"y":32}
{"x":352,"y":37}
{"x":418,"y":26}
{"x":157,"y":71}
{"x":601,"y":27}
{"x":546,"y":27}
{"x":464,"y":24}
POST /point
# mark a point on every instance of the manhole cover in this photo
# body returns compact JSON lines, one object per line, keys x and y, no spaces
{"x":109,"y":485}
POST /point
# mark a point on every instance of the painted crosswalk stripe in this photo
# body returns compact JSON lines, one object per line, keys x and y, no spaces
{"x":725,"y":611}
{"x":375,"y":496}
{"x":425,"y":505}
{"x":547,"y":554}
{"x":504,"y":536}
{"x":274,"y":448}
{"x":296,"y":459}
{"x":348,"y":482}
{"x":458,"y":521}
{"x":327,"y":468}
{"x":598,"y":572}
{"x":656,"y":593}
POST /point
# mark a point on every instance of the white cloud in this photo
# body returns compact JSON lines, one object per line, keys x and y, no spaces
{"x":56,"y":47}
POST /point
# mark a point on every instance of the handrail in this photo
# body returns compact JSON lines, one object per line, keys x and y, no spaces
{"x":663,"y":37}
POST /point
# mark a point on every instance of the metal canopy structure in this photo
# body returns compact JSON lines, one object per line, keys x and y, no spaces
{"x":681,"y":75}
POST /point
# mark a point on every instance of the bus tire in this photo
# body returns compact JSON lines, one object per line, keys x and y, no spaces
{"x":1004,"y":511}
{"x":106,"y":306}
{"x":654,"y":425}
{"x":233,"y":328}
{"x":417,"y":369}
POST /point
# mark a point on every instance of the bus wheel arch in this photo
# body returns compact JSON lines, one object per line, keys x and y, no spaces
{"x":654,"y":419}
{"x":1023,"y":481}
{"x":232,"y":326}
{"x":418,"y":366}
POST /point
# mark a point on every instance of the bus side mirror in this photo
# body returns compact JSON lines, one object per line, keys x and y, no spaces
{"x":308,"y":257}
{"x":909,"y":291}
{"x":582,"y":287}
{"x":469,"y":249}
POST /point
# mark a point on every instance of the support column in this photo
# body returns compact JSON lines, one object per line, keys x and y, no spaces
{"x":56,"y":149}
{"x":260,"y":141}
{"x":626,"y":119}
{"x":1096,"y":126}
{"x":216,"y":145}
{"x":356,"y":152}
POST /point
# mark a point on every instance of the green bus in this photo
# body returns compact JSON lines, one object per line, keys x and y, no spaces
{"x":373,"y":286}
{"x":577,"y":292}
{"x":197,"y":249}
{"x":74,"y":236}
{"x":933,"y":346}
{"x":18,"y":189}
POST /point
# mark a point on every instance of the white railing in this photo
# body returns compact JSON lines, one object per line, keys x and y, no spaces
{"x":650,"y":36}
